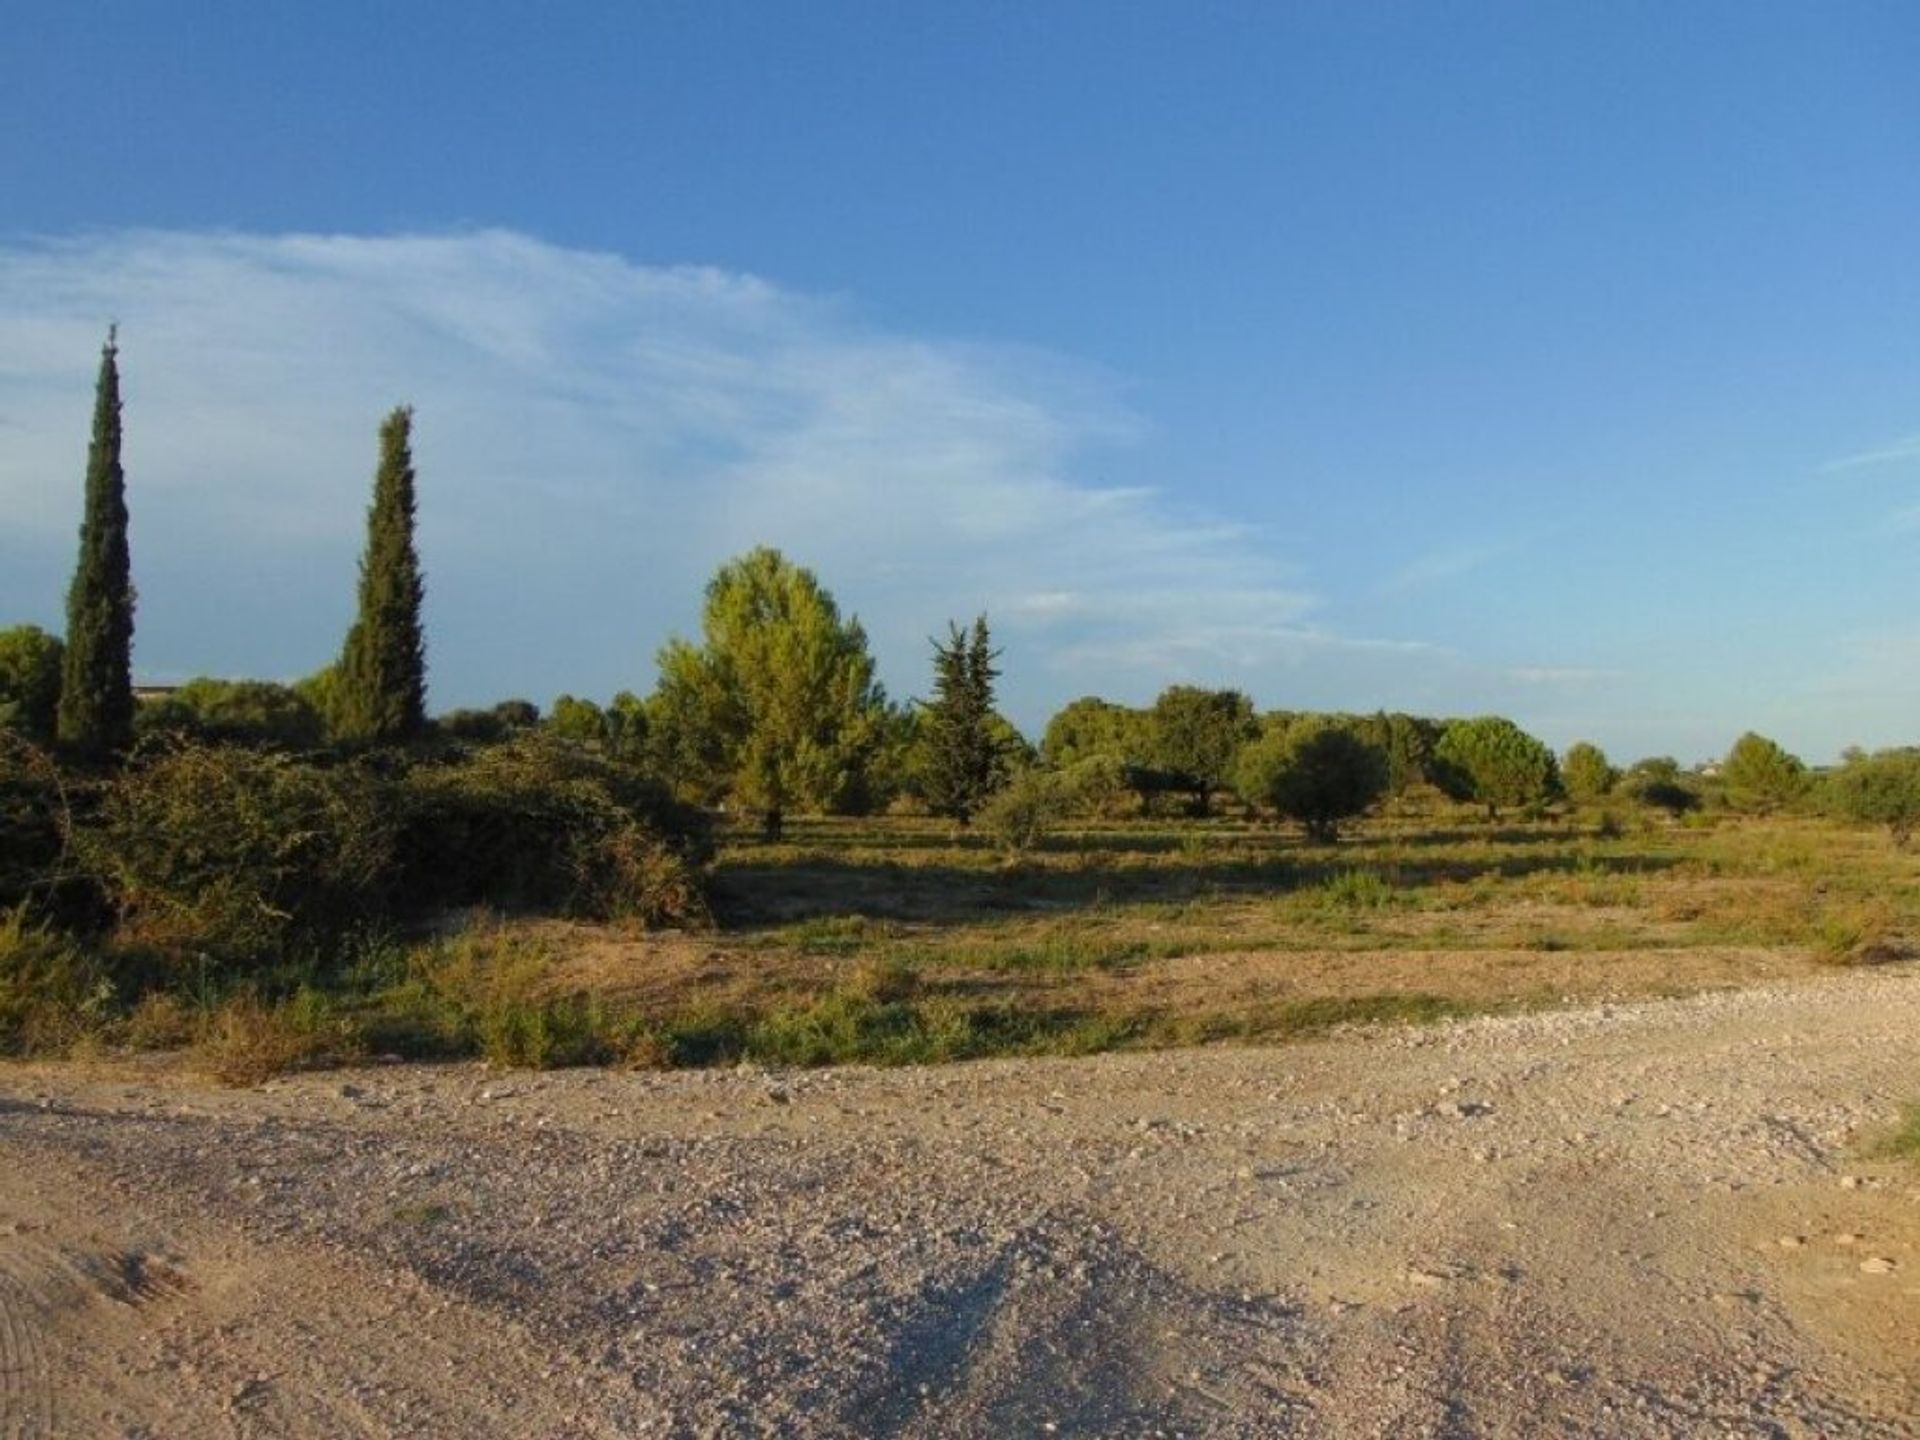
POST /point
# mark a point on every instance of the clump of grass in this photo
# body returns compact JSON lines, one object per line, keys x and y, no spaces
{"x":1856,"y":933}
{"x":247,"y":1041}
{"x":1903,"y":1143}
{"x":1356,"y":890}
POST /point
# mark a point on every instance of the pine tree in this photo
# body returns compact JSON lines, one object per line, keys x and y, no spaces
{"x":382,"y":685}
{"x":96,"y":677}
{"x":963,"y":749}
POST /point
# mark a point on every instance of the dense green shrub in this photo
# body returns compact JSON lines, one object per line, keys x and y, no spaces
{"x":1588,"y":775}
{"x":1882,"y":789}
{"x":34,"y":822}
{"x":538,"y":823}
{"x":1319,"y":771}
{"x":1658,"y":783}
{"x":239,"y":855}
{"x":1020,"y":813}
{"x":1759,"y":775}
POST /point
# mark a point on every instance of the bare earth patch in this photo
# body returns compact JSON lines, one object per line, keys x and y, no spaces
{"x":1641,"y":1218}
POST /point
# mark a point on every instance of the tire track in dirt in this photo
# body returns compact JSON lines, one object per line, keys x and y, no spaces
{"x":26,"y":1383}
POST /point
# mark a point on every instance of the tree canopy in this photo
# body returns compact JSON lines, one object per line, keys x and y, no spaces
{"x":30,"y":663}
{"x":1760,"y":775}
{"x":778,"y":708}
{"x":1586,"y":772}
{"x":1196,"y":733}
{"x":1318,"y":770}
{"x":1493,"y":761}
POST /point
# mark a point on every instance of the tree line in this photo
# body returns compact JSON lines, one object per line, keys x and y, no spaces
{"x":776,"y":708}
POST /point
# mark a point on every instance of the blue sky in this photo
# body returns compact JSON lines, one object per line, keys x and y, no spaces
{"x":1562,"y":361}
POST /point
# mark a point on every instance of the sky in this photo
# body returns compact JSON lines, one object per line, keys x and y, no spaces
{"x":1554,"y":361}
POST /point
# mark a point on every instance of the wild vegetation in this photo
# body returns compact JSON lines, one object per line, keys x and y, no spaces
{"x":768,"y":858}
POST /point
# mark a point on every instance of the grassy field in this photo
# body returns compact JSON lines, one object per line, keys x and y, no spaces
{"x":897,"y":941}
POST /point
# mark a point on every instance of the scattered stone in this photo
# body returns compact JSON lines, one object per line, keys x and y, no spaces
{"x":1878,"y":1265}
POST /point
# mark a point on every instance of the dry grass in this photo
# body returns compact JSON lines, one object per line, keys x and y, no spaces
{"x":895,"y":941}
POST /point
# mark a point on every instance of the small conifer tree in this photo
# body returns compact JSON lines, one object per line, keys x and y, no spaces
{"x":381,"y":689}
{"x":95,"y":717}
{"x":964,"y":759}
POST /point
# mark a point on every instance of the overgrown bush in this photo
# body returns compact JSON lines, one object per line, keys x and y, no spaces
{"x":35,"y":822}
{"x":1096,"y":788}
{"x":52,"y":990}
{"x":1881,"y":789}
{"x":239,"y":855}
{"x":1020,"y":813}
{"x":240,"y":712}
{"x":538,"y":823}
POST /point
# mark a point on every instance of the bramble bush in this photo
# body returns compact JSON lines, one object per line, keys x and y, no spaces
{"x":538,"y":823}
{"x":238,"y":855}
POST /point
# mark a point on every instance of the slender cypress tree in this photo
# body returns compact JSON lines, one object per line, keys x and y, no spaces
{"x":96,"y":676}
{"x":382,"y":691}
{"x":963,"y":756}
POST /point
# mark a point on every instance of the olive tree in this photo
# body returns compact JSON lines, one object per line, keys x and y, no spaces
{"x":1319,"y":771}
{"x":1197,"y":733}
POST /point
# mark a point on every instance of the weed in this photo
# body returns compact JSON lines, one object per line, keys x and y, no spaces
{"x":1903,"y":1142}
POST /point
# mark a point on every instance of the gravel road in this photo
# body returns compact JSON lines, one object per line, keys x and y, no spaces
{"x":1648,"y":1219}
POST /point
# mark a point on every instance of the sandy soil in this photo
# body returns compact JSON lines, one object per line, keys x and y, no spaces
{"x":1647,"y":1219}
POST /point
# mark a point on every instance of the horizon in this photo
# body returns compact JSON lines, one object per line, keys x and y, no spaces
{"x":1553,"y":366}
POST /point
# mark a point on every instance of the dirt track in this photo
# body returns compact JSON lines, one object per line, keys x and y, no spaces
{"x":1639,"y":1220}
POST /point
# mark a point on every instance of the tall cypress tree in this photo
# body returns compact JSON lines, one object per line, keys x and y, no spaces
{"x":96,"y":677}
{"x":964,"y":762}
{"x":382,"y":690}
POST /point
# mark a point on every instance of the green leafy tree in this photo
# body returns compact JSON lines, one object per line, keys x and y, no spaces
{"x":778,"y":709}
{"x":1319,"y":771}
{"x":1408,"y":741}
{"x":1090,"y":727}
{"x":383,"y":668}
{"x":1881,"y":789}
{"x":1493,"y":761}
{"x":1197,"y":733}
{"x":95,"y":717}
{"x":30,"y":663}
{"x":1588,"y":775}
{"x":1761,"y":776}
{"x":626,"y":720}
{"x":965,"y":759}
{"x":576,"y":719}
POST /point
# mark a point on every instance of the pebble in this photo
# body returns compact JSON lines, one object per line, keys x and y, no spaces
{"x":1878,"y":1265}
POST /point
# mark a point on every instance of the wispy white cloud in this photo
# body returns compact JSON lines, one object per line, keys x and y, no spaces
{"x":1439,"y":566}
{"x":593,"y":437}
{"x":1899,"y":451}
{"x":1562,"y":675}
